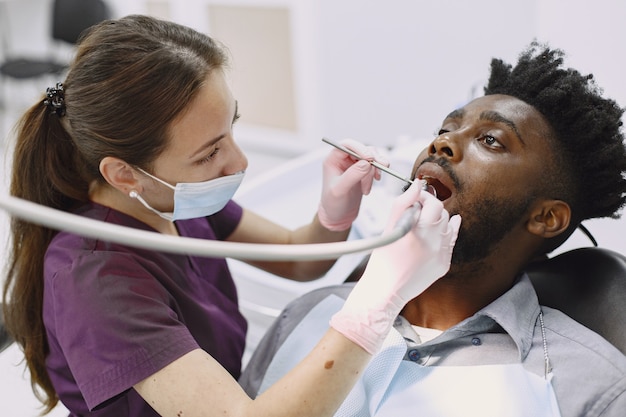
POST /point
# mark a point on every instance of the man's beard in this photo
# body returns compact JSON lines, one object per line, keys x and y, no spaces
{"x":490,"y":221}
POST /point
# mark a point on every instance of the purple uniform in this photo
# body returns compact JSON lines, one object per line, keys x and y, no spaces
{"x":116,"y":314}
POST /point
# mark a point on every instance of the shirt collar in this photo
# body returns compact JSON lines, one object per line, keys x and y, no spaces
{"x":515,"y":312}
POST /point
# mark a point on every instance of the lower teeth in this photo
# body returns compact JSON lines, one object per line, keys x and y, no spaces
{"x":429,"y":188}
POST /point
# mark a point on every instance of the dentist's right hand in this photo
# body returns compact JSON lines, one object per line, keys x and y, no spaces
{"x":400,"y":271}
{"x":345,"y":181}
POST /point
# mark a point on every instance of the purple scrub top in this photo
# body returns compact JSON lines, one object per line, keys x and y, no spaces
{"x":115,"y":315}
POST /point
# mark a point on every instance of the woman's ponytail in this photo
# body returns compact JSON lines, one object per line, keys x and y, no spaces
{"x":45,"y":172}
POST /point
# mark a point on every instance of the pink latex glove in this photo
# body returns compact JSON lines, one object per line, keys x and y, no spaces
{"x":400,"y":271}
{"x":345,"y":181}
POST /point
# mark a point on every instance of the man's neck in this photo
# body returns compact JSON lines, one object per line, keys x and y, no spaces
{"x":461,"y":293}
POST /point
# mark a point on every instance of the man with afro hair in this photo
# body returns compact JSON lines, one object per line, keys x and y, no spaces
{"x":523,"y":165}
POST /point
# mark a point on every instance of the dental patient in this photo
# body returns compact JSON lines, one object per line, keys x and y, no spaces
{"x":523,"y":165}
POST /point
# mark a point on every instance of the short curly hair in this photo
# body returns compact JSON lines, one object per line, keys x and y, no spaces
{"x":588,"y":143}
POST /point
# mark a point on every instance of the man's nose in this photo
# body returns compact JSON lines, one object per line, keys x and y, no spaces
{"x":446,"y":145}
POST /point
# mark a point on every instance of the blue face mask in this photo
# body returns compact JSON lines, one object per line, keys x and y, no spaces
{"x":196,"y":199}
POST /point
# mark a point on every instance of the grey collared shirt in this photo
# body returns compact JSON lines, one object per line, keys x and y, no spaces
{"x":589,"y":374}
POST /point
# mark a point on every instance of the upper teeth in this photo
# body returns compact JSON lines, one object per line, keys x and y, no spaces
{"x":427,"y":186}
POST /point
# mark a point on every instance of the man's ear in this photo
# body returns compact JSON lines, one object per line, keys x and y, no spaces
{"x":119,"y":174}
{"x":550,"y":218}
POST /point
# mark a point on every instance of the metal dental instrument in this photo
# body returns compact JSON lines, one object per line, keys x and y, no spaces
{"x":426,"y":187}
{"x":374,"y":163}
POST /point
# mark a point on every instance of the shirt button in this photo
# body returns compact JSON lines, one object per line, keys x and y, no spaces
{"x":414,"y":355}
{"x":476,"y":341}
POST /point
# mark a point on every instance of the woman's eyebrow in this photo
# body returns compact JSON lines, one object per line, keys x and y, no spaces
{"x":212,"y":142}
{"x":206,"y":145}
{"x":494,"y":116}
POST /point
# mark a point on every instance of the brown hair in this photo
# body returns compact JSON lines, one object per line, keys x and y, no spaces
{"x":130,"y":78}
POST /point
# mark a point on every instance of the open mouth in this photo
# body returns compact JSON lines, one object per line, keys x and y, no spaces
{"x":441,"y":191}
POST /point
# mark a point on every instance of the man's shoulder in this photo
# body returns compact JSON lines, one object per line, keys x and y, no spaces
{"x":589,"y":372}
{"x":563,"y":332}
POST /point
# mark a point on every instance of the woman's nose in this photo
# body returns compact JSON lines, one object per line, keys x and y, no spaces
{"x":445,"y":145}
{"x":238,"y":162}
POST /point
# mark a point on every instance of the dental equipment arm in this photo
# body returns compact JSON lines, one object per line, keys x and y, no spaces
{"x":60,"y":220}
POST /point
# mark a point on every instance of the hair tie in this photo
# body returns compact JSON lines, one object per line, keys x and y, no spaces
{"x":55,"y":100}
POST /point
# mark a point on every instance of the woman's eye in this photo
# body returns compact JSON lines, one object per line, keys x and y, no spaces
{"x":209,"y":157}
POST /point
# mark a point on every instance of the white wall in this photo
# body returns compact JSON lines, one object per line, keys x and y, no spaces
{"x":400,"y":66}
{"x":593,"y":35}
{"x":376,"y":69}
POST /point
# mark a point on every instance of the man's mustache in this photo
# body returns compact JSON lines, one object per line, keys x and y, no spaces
{"x":447,"y":168}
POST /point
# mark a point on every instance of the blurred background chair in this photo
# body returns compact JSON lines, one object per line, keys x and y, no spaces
{"x":5,"y":339}
{"x":69,"y":18}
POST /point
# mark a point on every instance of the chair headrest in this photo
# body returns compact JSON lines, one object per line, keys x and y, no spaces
{"x":589,"y":285}
{"x":71,"y":17}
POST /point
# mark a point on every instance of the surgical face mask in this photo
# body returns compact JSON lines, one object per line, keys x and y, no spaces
{"x":196,"y":199}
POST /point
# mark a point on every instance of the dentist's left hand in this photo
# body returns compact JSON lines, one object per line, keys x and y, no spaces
{"x":345,"y":181}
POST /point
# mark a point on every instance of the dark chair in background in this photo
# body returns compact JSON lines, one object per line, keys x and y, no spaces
{"x":69,"y":19}
{"x":5,"y":340}
{"x":589,"y":285}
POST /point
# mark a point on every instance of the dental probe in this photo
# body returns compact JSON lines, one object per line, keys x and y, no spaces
{"x":374,"y":163}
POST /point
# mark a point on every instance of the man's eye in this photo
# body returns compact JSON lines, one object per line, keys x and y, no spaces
{"x":491,"y":141}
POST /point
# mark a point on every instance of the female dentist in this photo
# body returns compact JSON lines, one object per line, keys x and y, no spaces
{"x":140,"y":135}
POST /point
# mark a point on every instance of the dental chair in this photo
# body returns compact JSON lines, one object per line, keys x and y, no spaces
{"x":588,"y":284}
